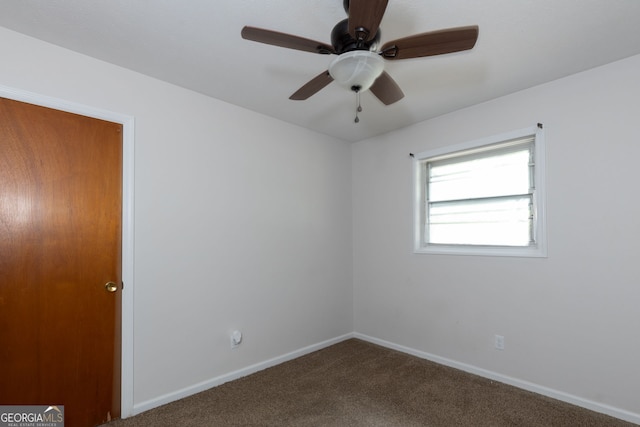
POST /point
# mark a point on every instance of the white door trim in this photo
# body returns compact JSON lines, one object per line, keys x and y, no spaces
{"x":127,"y":123}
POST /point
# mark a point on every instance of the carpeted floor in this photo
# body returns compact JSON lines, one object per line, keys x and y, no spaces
{"x":355,"y":383}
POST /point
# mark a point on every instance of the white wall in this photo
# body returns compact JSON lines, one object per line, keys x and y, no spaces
{"x":241,"y":221}
{"x":571,"y":320}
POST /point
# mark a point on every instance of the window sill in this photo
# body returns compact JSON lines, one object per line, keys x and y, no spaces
{"x":500,"y":251}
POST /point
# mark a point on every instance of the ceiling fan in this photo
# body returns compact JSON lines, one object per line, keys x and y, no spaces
{"x":359,"y":65}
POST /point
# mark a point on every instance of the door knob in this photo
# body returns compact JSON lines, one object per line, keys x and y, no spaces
{"x":111,"y":286}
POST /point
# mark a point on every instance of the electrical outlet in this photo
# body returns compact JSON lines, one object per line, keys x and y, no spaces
{"x":236,"y":338}
{"x":499,"y":342}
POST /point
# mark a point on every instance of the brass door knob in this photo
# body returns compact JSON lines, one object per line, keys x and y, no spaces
{"x":111,"y":286}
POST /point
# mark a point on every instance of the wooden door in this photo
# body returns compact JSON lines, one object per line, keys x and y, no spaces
{"x":60,"y":243}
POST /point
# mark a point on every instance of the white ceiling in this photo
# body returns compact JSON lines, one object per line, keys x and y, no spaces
{"x":196,"y":44}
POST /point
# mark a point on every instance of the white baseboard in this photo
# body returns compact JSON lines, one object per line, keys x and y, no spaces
{"x":545,"y":391}
{"x":213,"y":382}
{"x":525,"y":385}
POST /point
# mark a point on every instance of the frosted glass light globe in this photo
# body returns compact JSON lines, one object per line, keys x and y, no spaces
{"x":357,"y":70}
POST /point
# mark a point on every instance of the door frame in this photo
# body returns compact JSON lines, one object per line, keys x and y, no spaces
{"x":127,"y":122}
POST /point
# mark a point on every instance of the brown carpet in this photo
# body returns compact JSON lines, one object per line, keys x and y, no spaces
{"x":356,"y":383}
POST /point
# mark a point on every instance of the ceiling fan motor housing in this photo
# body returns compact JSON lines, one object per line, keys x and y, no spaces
{"x":345,"y":4}
{"x":342,"y":41}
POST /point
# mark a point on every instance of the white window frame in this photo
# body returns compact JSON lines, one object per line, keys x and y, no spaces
{"x":536,"y":249}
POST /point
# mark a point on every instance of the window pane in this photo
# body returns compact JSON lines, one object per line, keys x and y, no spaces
{"x":503,"y":222}
{"x":496,"y":175}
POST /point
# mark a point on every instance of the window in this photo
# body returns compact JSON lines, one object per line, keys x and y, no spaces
{"x":485,"y":197}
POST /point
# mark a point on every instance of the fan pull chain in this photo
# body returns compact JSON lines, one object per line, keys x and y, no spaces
{"x":359,"y":108}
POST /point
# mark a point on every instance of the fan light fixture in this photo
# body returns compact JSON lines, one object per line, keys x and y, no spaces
{"x":357,"y":69}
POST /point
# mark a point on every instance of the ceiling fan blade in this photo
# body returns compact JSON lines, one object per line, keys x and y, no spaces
{"x":312,"y":87}
{"x":365,"y":17}
{"x":386,"y":89}
{"x":276,"y":38}
{"x":431,"y":43}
